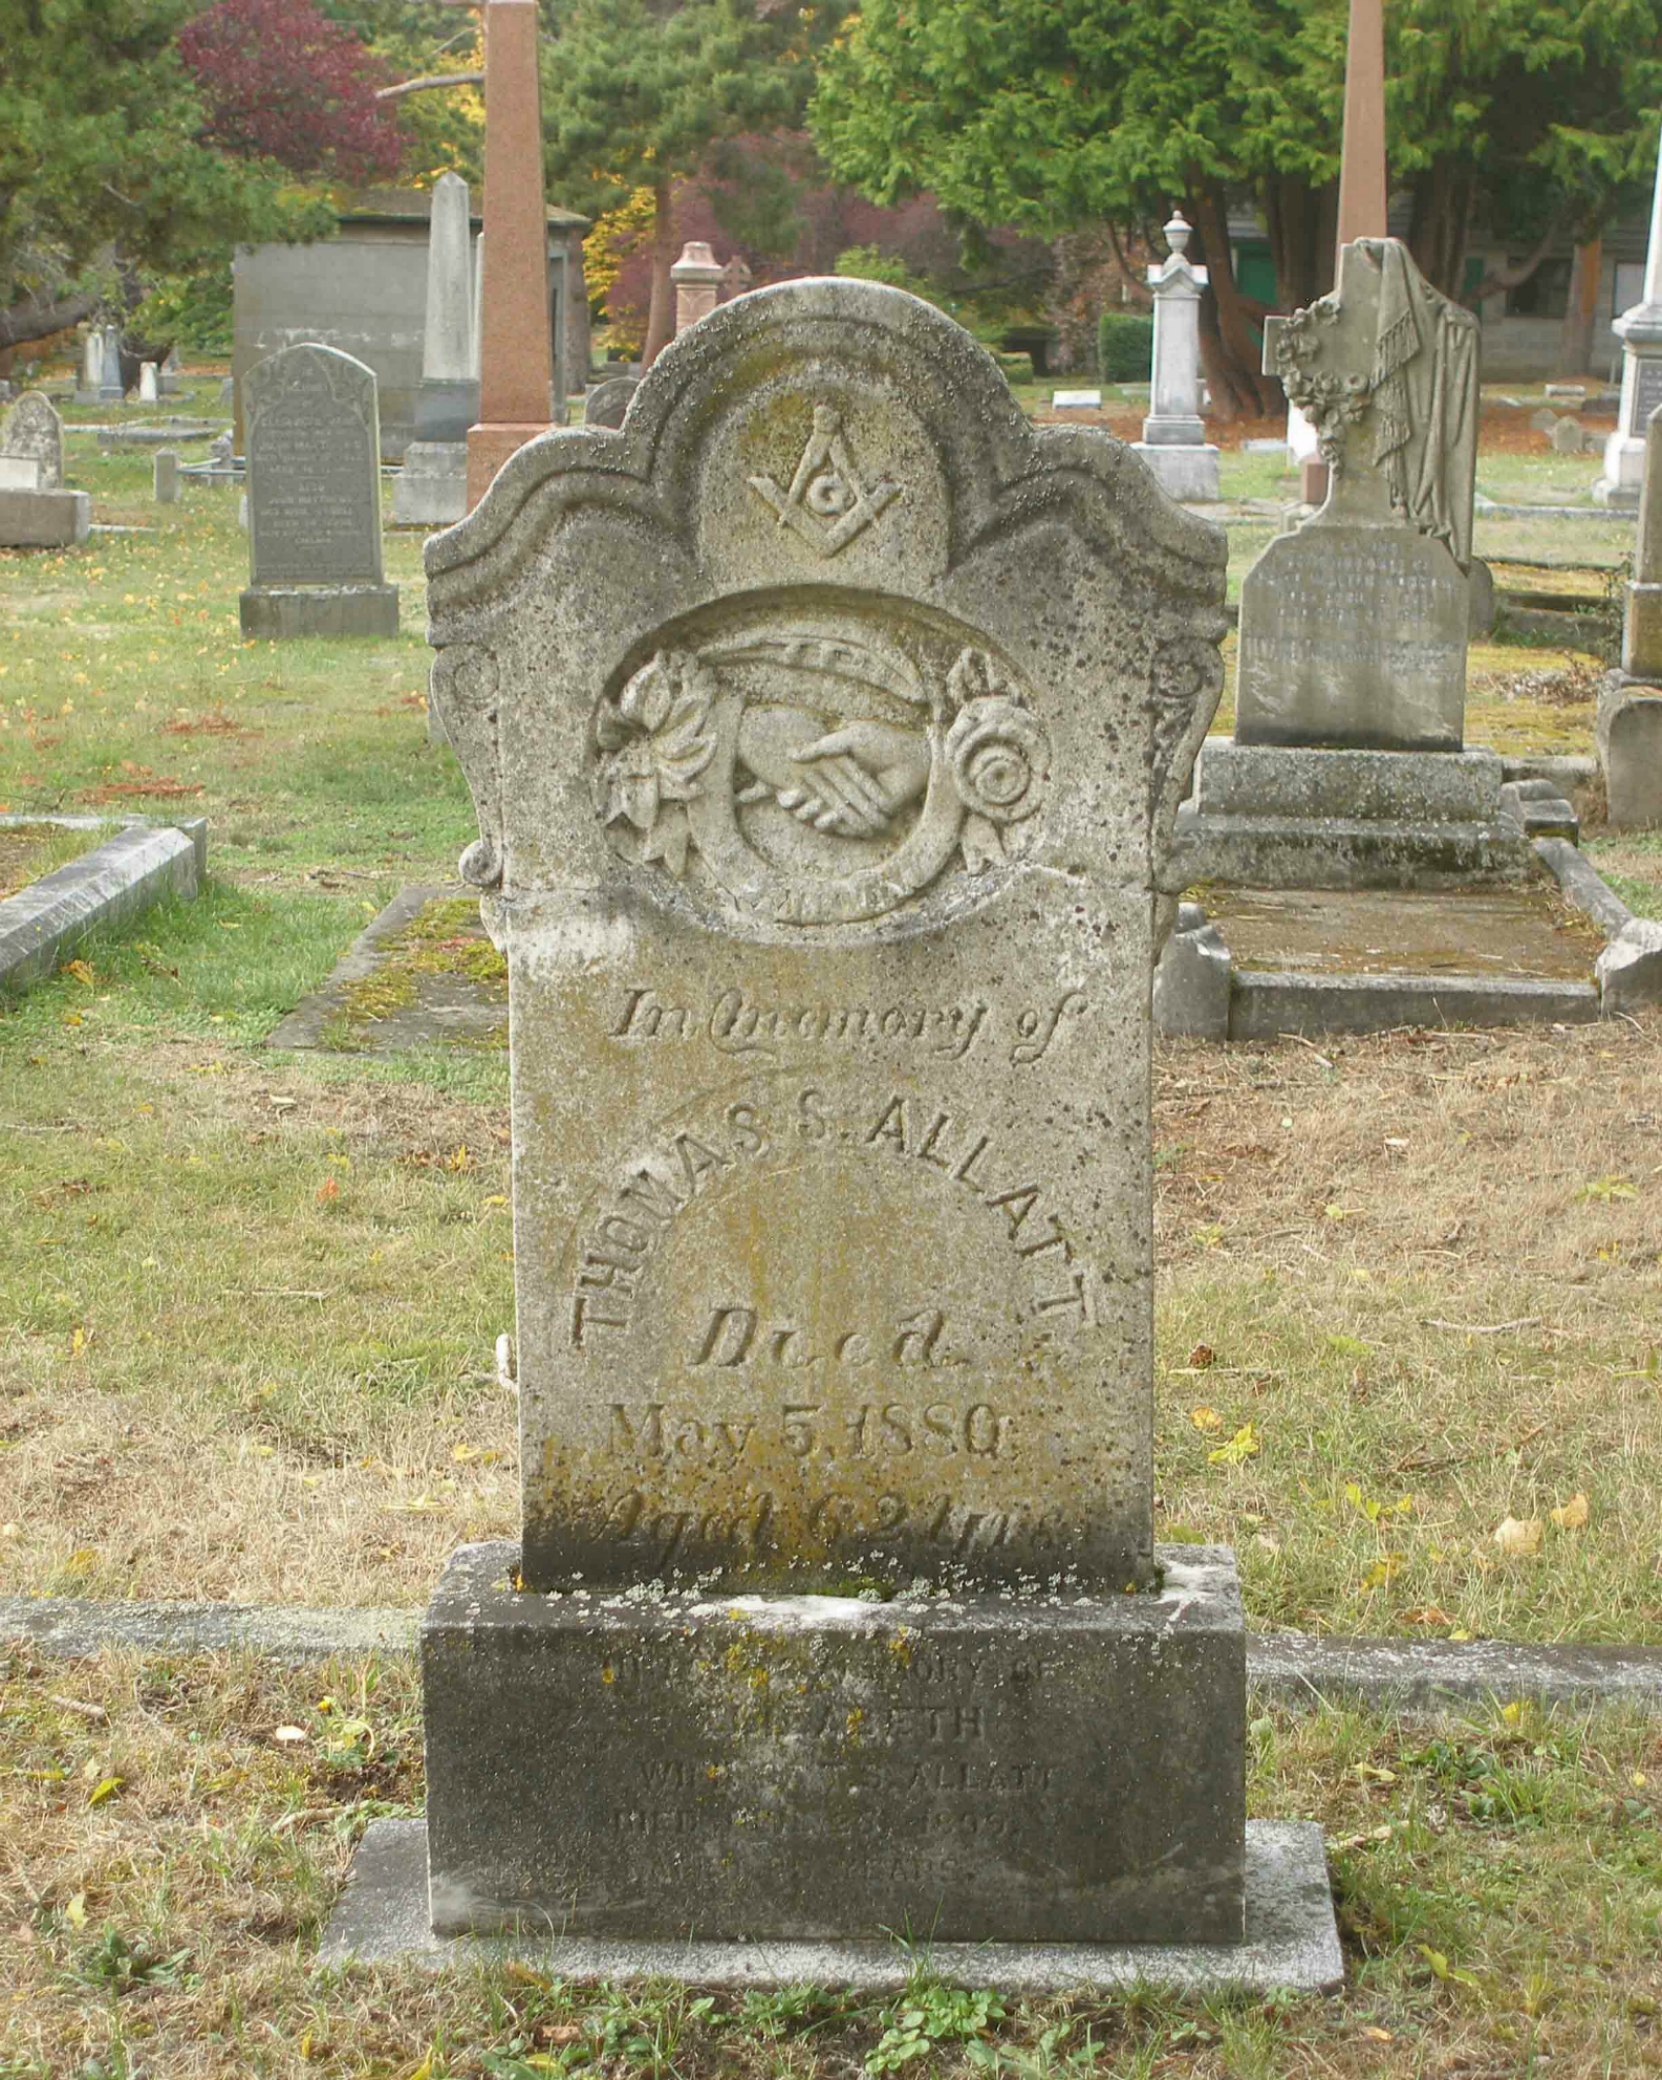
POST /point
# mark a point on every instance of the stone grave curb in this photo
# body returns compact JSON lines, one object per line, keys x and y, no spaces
{"x":1202,"y":995}
{"x":303,"y":1027}
{"x":1294,"y":1669}
{"x":141,"y":863}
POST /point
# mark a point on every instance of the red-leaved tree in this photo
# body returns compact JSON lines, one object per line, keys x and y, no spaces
{"x":281,"y":81}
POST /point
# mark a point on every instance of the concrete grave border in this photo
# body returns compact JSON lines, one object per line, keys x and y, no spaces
{"x":1199,"y":993}
{"x":43,"y":923}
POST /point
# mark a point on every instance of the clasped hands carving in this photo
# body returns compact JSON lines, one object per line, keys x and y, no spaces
{"x":853,"y":780}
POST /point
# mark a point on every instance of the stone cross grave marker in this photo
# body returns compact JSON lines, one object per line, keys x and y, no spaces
{"x":826,"y":725}
{"x":314,"y":498}
{"x":32,"y":431}
{"x":1353,"y":628}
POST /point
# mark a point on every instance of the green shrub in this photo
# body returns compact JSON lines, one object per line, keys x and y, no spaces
{"x":1124,"y":346}
{"x":194,"y":311}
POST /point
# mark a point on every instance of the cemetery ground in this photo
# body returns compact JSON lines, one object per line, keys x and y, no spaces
{"x":1410,"y":1366}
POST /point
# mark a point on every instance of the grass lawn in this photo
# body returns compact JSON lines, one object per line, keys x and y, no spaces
{"x":1410,"y":1288}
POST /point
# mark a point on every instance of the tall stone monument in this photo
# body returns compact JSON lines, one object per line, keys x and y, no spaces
{"x":516,"y":355}
{"x":825,"y":726}
{"x":1640,"y":332}
{"x":431,"y":488}
{"x":111,"y":387}
{"x":1630,"y":700}
{"x":1346,"y":766}
{"x":313,"y":447}
{"x":1174,"y":443}
{"x":90,"y":382}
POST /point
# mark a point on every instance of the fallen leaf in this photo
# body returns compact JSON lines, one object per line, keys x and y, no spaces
{"x":1518,"y":1537}
{"x":82,"y":972}
{"x":1201,"y":1356}
{"x":1243,"y":1445}
{"x":1428,"y":1614}
{"x":104,"y":1790}
{"x":1206,"y":1419}
{"x":75,"y":1912}
{"x":328,"y":1191}
{"x":1571,"y":1515}
{"x":289,"y":1734}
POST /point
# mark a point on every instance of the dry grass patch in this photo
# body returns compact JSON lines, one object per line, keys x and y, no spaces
{"x":175,"y":1832}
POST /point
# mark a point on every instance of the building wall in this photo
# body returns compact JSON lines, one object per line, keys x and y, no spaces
{"x":366,"y":293}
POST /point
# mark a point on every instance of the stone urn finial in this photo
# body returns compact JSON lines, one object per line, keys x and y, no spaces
{"x":1178,"y":233}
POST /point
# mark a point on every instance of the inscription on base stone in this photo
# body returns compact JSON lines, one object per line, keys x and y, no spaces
{"x":314,"y":513}
{"x":825,"y":731}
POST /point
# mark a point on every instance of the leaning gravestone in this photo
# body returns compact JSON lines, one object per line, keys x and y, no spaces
{"x":32,"y":431}
{"x":312,"y":439}
{"x":825,"y":727}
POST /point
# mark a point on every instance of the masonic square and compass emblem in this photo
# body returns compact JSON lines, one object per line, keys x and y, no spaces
{"x":828,"y":503}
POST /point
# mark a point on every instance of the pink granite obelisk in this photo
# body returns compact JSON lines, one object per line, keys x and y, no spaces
{"x":1363,"y":189}
{"x":516,"y":352}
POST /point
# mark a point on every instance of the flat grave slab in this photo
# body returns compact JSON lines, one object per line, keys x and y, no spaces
{"x":1527,"y":931}
{"x":422,"y":974}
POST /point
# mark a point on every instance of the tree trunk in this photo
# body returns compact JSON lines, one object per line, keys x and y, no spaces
{"x":660,"y":315}
{"x":36,"y":319}
{"x":1575,"y":345}
{"x":1229,"y":347}
{"x":1303,"y":223}
{"x":1440,"y":223}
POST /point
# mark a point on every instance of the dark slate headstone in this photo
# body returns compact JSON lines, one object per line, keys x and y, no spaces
{"x":314,"y":498}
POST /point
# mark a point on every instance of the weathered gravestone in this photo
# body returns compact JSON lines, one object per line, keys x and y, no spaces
{"x":165,"y":477}
{"x":1353,"y":628}
{"x":313,"y":449}
{"x":36,"y":511}
{"x":32,"y":431}
{"x":1346,"y":767}
{"x":825,"y":727}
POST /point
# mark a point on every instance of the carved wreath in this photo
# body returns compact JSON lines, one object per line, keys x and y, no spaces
{"x":657,"y":740}
{"x":1331,"y":402}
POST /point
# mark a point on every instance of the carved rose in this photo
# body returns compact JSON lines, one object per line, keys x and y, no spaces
{"x":657,"y":741}
{"x":998,"y":756}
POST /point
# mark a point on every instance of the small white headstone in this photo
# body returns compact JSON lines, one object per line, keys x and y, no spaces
{"x":1076,"y":400}
{"x":149,"y":390}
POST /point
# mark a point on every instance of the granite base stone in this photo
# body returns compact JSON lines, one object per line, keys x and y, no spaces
{"x":431,"y":488}
{"x":44,"y":519}
{"x":1291,"y":1942}
{"x":281,"y":613}
{"x":1184,"y":473}
{"x":1283,"y":816}
{"x":987,"y":1768}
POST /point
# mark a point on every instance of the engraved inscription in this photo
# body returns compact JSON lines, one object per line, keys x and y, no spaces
{"x":616,"y":1246}
{"x":735,"y":1025}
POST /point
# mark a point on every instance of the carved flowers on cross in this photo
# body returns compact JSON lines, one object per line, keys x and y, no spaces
{"x":656,"y":742}
{"x":997,"y":754}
